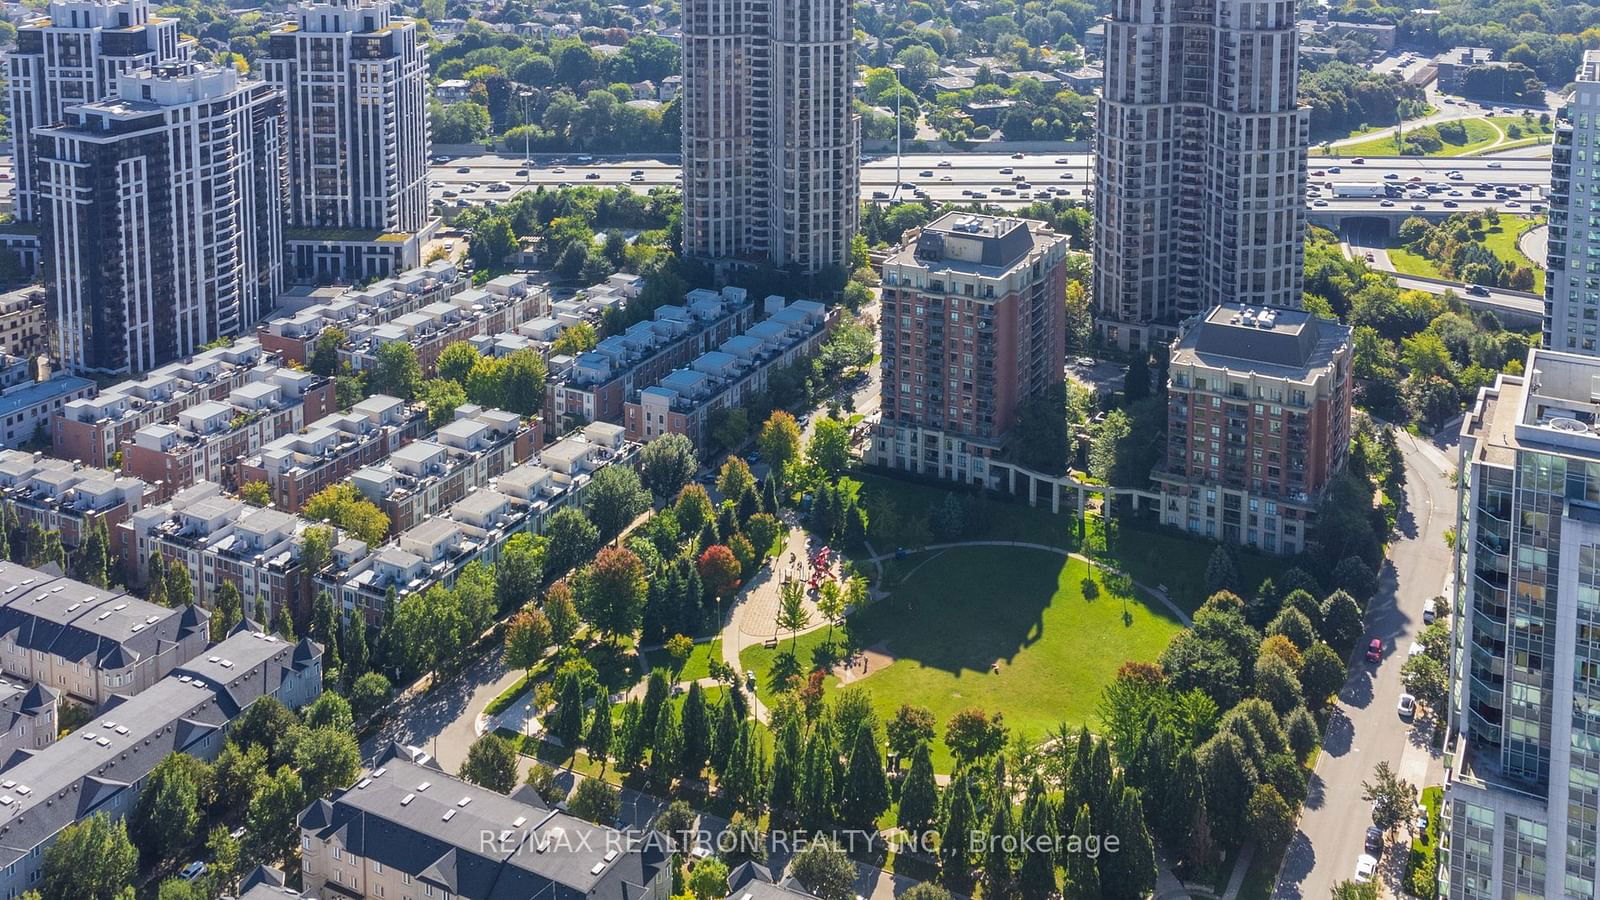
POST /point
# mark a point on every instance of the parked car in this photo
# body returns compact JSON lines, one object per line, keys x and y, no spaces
{"x":1366,"y":867}
{"x":192,"y":871}
{"x":1375,"y":650}
{"x":1374,"y":842}
{"x":1407,"y":706}
{"x":1430,"y":610}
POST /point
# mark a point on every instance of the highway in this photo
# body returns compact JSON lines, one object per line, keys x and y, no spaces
{"x":962,"y":175}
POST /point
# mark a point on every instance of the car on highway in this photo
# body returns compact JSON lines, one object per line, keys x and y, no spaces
{"x":1536,"y":207}
{"x":451,"y":195}
{"x":1319,"y":202}
{"x":1478,"y":290}
{"x":1418,"y":207}
{"x":636,"y":179}
{"x":464,"y":170}
{"x":522,"y":172}
{"x":979,"y":195}
{"x":1005,"y":192}
{"x":1085,"y":361}
{"x":1385,"y":202}
{"x":1375,"y":650}
{"x":1407,"y":707}
{"x":945,"y":178}
{"x":1512,"y":204}
{"x":908,"y":186}
{"x":1334,"y":170}
{"x":559,"y":170}
{"x":1007,"y":170}
{"x":883,"y":195}
{"x":1451,"y":204}
{"x":1390,"y":176}
{"x":1066,"y":176}
{"x":440,"y":160}
{"x":593,"y":176}
{"x":500,"y":187}
{"x":1062,"y":161}
{"x":1017,"y":156}
{"x":1360,"y":161}
{"x":944,"y":163}
{"x":925,"y":173}
{"x":1374,"y":840}
{"x":1494,"y":165}
{"x":1318,"y":173}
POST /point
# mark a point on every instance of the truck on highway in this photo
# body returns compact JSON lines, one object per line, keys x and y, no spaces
{"x":1348,"y":189}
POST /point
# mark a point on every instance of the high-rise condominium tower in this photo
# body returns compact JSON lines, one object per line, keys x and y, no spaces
{"x":1524,"y":710}
{"x":771,"y":147}
{"x":1572,"y":292}
{"x":355,"y":78}
{"x":161,"y":215}
{"x":74,"y":57}
{"x":1200,"y":163}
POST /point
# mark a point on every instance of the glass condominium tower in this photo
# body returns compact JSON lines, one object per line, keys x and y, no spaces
{"x":1523,"y":781}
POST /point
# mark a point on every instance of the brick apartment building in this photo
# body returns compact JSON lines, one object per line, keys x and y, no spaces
{"x":92,"y":429}
{"x":474,"y":524}
{"x":1258,"y":423}
{"x":682,"y":402}
{"x":594,"y":386}
{"x":298,"y":465}
{"x":465,"y":315}
{"x":973,"y":326}
{"x":426,"y":476}
{"x":67,"y":497}
{"x":310,"y":309}
{"x":207,"y":440}
{"x":220,"y":540}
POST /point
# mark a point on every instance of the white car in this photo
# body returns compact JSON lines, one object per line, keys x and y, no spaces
{"x":193,"y":870}
{"x":1430,"y":611}
{"x":1366,"y":867}
{"x":1407,"y":706}
{"x":1494,"y":165}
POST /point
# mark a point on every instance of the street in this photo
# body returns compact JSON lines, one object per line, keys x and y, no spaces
{"x":1364,"y":728}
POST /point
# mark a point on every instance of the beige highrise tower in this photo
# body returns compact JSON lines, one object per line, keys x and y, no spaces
{"x":1200,"y":164}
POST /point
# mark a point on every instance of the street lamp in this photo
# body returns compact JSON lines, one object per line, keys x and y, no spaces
{"x":527,"y":139}
{"x":899,"y":88}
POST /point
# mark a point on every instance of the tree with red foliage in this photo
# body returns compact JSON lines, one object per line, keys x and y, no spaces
{"x":719,"y":571}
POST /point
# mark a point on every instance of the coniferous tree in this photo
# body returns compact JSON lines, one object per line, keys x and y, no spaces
{"x":666,"y":747}
{"x":866,"y":787}
{"x":788,"y":756}
{"x":769,"y":490}
{"x":997,"y":852}
{"x":816,"y":787}
{"x":955,"y":838}
{"x":1036,"y":879}
{"x":1083,"y":879}
{"x":598,"y":741}
{"x":696,"y":732}
{"x":655,"y":696}
{"x":566,"y":723}
{"x":156,"y":588}
{"x":632,"y":739}
{"x":354,"y":641}
{"x":727,"y":729}
{"x":919,"y":794}
{"x":1130,"y":873}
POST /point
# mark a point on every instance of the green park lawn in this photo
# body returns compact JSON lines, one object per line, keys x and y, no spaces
{"x":1501,"y":240}
{"x":696,"y":667}
{"x":965,"y":610}
{"x":1000,"y":520}
{"x":1480,"y":134}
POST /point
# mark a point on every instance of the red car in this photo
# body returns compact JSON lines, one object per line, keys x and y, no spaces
{"x":1375,"y":650}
